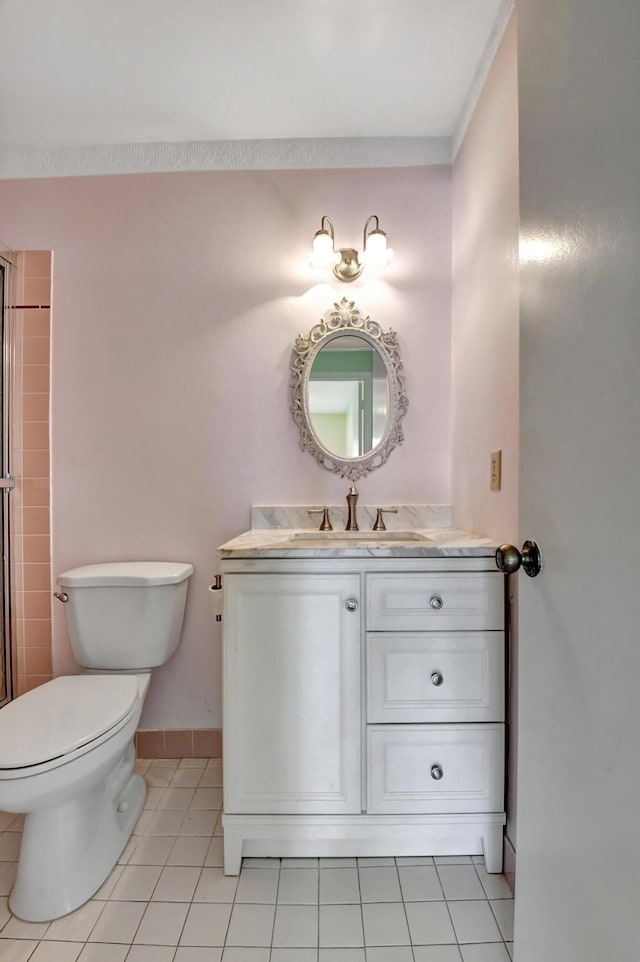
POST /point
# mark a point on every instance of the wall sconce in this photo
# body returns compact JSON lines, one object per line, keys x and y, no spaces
{"x":347,"y":264}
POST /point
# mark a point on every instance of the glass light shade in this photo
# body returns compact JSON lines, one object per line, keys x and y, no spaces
{"x":376,"y":252}
{"x":323,"y":254}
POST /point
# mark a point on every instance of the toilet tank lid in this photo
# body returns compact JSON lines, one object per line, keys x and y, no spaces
{"x":131,"y":573}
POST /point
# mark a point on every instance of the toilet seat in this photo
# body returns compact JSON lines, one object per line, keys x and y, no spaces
{"x":63,"y":718}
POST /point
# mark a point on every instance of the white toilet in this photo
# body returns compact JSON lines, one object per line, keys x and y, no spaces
{"x":66,"y":748}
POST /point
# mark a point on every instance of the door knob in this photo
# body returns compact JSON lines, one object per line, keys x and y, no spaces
{"x":509,"y":559}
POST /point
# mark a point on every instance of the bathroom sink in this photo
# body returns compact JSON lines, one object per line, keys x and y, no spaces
{"x":355,"y":537}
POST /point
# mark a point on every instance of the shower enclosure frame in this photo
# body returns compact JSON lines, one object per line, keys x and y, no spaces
{"x":6,"y":479}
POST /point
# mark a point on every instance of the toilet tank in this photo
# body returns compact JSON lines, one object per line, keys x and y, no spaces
{"x":125,"y":616}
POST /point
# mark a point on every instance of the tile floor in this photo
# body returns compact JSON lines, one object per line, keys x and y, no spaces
{"x":168,"y":900}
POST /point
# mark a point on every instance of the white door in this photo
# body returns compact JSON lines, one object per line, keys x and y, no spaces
{"x":578,"y":843}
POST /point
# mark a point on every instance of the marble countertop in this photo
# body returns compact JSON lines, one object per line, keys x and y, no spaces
{"x":310,"y":543}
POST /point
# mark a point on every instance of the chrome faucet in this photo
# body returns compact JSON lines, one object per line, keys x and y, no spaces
{"x":352,"y":501}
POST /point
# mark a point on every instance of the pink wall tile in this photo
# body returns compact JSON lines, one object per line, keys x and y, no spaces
{"x":37,"y":291}
{"x":37,"y":633}
{"x":36,"y":323}
{"x":178,"y":744}
{"x":35,"y":491}
{"x":36,"y":577}
{"x":35,"y":407}
{"x":37,"y":605}
{"x":35,"y":436}
{"x":37,"y":264}
{"x":35,"y":520}
{"x":35,"y":464}
{"x":36,"y":350}
{"x":38,"y":661}
{"x":36,"y":548}
{"x":35,"y":379}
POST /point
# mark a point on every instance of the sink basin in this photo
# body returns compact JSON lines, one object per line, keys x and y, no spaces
{"x":370,"y":537}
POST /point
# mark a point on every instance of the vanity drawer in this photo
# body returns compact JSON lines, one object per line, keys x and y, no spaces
{"x":435,"y":602}
{"x":431,"y":677}
{"x":435,"y":769}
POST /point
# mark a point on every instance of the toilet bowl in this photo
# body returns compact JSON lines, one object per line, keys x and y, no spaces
{"x":67,"y":758}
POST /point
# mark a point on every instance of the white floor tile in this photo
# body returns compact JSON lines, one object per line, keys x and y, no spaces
{"x":151,"y":953}
{"x":153,"y":797}
{"x":375,"y":862}
{"x":162,"y":923}
{"x":206,"y":925}
{"x":414,"y":860}
{"x":341,"y":926}
{"x":509,"y":946}
{"x":261,"y":862}
{"x":251,"y":925}
{"x":178,"y":799}
{"x":495,"y":886}
{"x":108,"y":886}
{"x":6,"y":818}
{"x":488,"y":952}
{"x":299,"y":863}
{"x":234,"y":954}
{"x":338,"y":863}
{"x":436,"y":953}
{"x":341,"y":955}
{"x":151,"y":850}
{"x":77,"y":926}
{"x":17,"y":950}
{"x":296,"y":926}
{"x":257,"y":885}
{"x":198,"y":823}
{"x":473,"y":921}
{"x":294,"y":955}
{"x":298,"y":886}
{"x":503,"y":911}
{"x":158,"y":777}
{"x":385,"y":924}
{"x":165,"y":823}
{"x":57,"y":952}
{"x":143,"y":822}
{"x":453,"y":860}
{"x":186,"y":778}
{"x":103,"y":952}
{"x":429,"y":923}
{"x":215,"y":886}
{"x":380,"y":884}
{"x":192,"y":953}
{"x":211,"y":778}
{"x":165,"y":763}
{"x":215,"y":852}
{"x":17,"y":929}
{"x":420,"y":883}
{"x":339,"y":886}
{"x":199,"y":762}
{"x":7,"y":876}
{"x":118,"y":922}
{"x":136,"y":883}
{"x":207,"y":798}
{"x":390,"y":953}
{"x":177,"y":883}
{"x":5,"y":914}
{"x":9,"y":846}
{"x":460,"y":882}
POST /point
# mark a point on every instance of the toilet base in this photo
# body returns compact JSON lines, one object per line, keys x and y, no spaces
{"x":69,"y":849}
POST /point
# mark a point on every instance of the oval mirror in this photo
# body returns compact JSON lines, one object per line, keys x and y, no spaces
{"x":348,"y":392}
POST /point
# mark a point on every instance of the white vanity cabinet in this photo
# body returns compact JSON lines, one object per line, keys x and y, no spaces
{"x":363,"y":707}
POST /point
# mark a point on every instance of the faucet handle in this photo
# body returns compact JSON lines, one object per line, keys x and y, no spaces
{"x":380,"y":525}
{"x":325,"y":524}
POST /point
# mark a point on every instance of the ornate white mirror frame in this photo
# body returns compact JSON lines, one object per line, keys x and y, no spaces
{"x":345,"y":318}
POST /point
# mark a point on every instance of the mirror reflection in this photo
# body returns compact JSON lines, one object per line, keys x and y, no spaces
{"x":348,"y":396}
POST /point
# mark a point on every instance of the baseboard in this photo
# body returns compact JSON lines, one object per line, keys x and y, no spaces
{"x":509,"y":863}
{"x":179,"y":743}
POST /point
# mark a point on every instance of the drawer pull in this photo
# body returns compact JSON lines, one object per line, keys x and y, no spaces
{"x":437,"y":679}
{"x":351,"y":604}
{"x":436,"y":602}
{"x":436,"y":772}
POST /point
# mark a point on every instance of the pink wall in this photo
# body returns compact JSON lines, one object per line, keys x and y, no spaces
{"x":176,"y":300}
{"x":485,"y":305}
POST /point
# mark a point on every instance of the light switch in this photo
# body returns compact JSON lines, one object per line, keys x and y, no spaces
{"x":496,"y":470}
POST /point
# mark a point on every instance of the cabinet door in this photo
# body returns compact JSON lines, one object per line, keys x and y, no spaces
{"x":291,"y":694}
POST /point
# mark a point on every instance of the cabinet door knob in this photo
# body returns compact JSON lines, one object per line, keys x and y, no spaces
{"x":351,"y":605}
{"x":437,"y":679}
{"x":436,"y":602}
{"x":436,"y":772}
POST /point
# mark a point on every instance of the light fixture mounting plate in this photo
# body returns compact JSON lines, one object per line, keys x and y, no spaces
{"x":349,"y":267}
